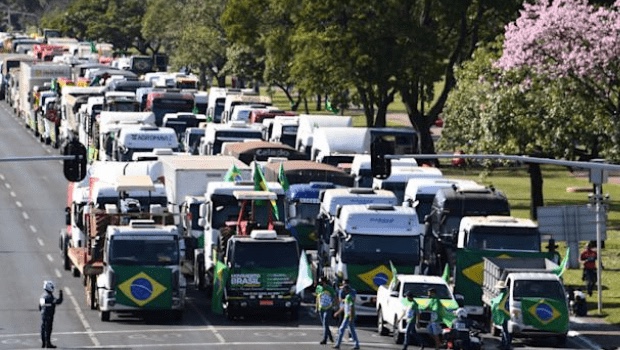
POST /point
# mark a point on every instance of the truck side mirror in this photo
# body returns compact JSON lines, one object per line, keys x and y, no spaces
{"x":381,"y":167}
{"x":74,"y":169}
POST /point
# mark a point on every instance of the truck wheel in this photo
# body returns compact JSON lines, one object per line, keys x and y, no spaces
{"x":105,"y":316}
{"x":399,"y":337}
{"x":381,"y":329}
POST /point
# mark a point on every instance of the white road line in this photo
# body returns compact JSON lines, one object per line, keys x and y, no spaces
{"x":58,"y":274}
{"x":41,"y":243}
{"x":25,"y":215}
{"x":7,"y":185}
{"x":210,"y":327}
{"x":82,"y":318}
{"x":13,"y":194}
{"x":33,"y":229}
{"x":2,"y":177}
{"x":18,"y":204}
{"x":50,"y":257}
{"x":588,"y":343}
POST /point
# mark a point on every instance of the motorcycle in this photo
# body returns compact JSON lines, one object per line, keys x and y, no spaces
{"x":464,"y":335}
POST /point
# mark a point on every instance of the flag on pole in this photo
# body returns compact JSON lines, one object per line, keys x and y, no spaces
{"x":394,"y":272}
{"x":282,"y":178}
{"x":329,"y":107}
{"x":260,"y":184}
{"x":446,"y":273}
{"x":563,"y":264}
{"x":93,"y":47}
{"x":304,"y":274}
{"x":219,"y":284}
{"x":233,"y":174}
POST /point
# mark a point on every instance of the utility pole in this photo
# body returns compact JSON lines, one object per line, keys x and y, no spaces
{"x":598,"y":177}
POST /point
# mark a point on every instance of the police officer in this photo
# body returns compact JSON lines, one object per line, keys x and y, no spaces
{"x":47,"y":306}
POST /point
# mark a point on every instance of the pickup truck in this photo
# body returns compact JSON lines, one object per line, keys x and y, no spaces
{"x":391,"y":306}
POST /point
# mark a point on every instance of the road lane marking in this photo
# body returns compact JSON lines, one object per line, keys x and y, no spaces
{"x":18,"y":204}
{"x":41,"y":243}
{"x":85,"y":324}
{"x":58,"y":274}
{"x":25,"y":215}
{"x":50,"y":257}
{"x":33,"y":229}
{"x":580,"y":338}
{"x":210,"y":326}
{"x":12,"y":193}
{"x":2,"y":177}
{"x":7,"y":185}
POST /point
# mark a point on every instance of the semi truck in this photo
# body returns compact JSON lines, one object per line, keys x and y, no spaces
{"x":367,"y":240}
{"x":33,"y":74}
{"x":449,"y":206}
{"x":490,"y":236}
{"x":186,"y":179}
{"x":535,"y":297}
{"x":131,"y":258}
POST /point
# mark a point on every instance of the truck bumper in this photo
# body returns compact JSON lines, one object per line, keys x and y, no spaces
{"x":108,"y":303}
{"x":261,"y":306}
{"x":523,"y":331}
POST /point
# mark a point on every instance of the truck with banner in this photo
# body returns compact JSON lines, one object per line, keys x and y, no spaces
{"x":490,"y":236}
{"x":131,"y":258}
{"x":365,"y":242}
{"x":535,"y":298}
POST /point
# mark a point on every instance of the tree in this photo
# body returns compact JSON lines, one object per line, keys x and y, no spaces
{"x":575,"y":42}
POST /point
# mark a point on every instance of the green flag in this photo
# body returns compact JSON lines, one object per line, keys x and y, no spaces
{"x":444,"y":315}
{"x":282,"y":178}
{"x":394,"y":272}
{"x":329,"y":107}
{"x":446,"y":273}
{"x":219,"y":284}
{"x":545,"y":314}
{"x":562,"y":267}
{"x":499,"y":308}
{"x":233,"y":174}
{"x":260,"y":184}
{"x":93,"y":47}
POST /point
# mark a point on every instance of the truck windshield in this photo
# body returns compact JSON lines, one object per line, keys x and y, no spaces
{"x":306,"y":211}
{"x":226,"y":208}
{"x":366,"y":249}
{"x":135,"y":250}
{"x":261,"y":254}
{"x":550,"y":289}
{"x":504,"y":238}
{"x":233,"y":136}
{"x":420,"y":290}
{"x":398,"y":188}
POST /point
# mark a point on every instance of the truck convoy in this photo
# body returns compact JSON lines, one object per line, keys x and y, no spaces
{"x":131,"y":258}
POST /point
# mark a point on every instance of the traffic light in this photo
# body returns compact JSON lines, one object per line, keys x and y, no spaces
{"x":75,"y":168}
{"x":381,"y":167}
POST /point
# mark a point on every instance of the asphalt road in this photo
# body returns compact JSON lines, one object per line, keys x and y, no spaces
{"x":32,"y":201}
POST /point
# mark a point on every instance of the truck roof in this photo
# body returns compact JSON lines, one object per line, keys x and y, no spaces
{"x":543,"y":276}
{"x":228,"y":188}
{"x":370,"y":218}
{"x":309,"y":191}
{"x":332,"y":198}
{"x":411,"y":278}
{"x":202,"y":162}
{"x":405,"y":173}
{"x":142,"y":229}
{"x":496,"y":221}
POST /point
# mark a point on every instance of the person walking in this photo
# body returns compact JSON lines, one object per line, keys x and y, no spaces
{"x":348,"y":320}
{"x":47,"y":306}
{"x":589,"y":256}
{"x":500,"y":311}
{"x":341,"y":296}
{"x":434,"y":326}
{"x":411,"y":315}
{"x":325,"y":302}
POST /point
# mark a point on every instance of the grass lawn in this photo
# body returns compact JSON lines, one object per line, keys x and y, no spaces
{"x":515,"y":183}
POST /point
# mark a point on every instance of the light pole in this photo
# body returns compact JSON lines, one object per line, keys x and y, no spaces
{"x":598,"y":177}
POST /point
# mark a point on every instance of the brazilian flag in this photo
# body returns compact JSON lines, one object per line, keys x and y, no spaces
{"x":545,"y":314}
{"x":144,"y":287}
{"x":233,"y":174}
{"x":442,"y":307}
{"x":260,"y":184}
{"x":219,"y":284}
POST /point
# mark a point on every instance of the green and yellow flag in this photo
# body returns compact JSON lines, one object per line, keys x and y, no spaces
{"x":545,"y":314}
{"x":499,"y":308}
{"x":446,"y":273}
{"x":394,"y":272}
{"x":260,"y":184}
{"x":144,"y":287}
{"x":282,"y":178}
{"x":562,"y":267}
{"x":436,"y":305}
{"x":219,"y":284}
{"x":233,"y":174}
{"x":330,"y":107}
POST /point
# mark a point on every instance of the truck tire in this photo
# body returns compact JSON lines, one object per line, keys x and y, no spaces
{"x":381,"y":329}
{"x":399,"y":337}
{"x":105,"y":316}
{"x":199,"y":272}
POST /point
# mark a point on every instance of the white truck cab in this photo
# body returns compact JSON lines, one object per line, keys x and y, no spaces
{"x":216,"y":134}
{"x":142,"y":138}
{"x":420,"y":193}
{"x":398,"y":180}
